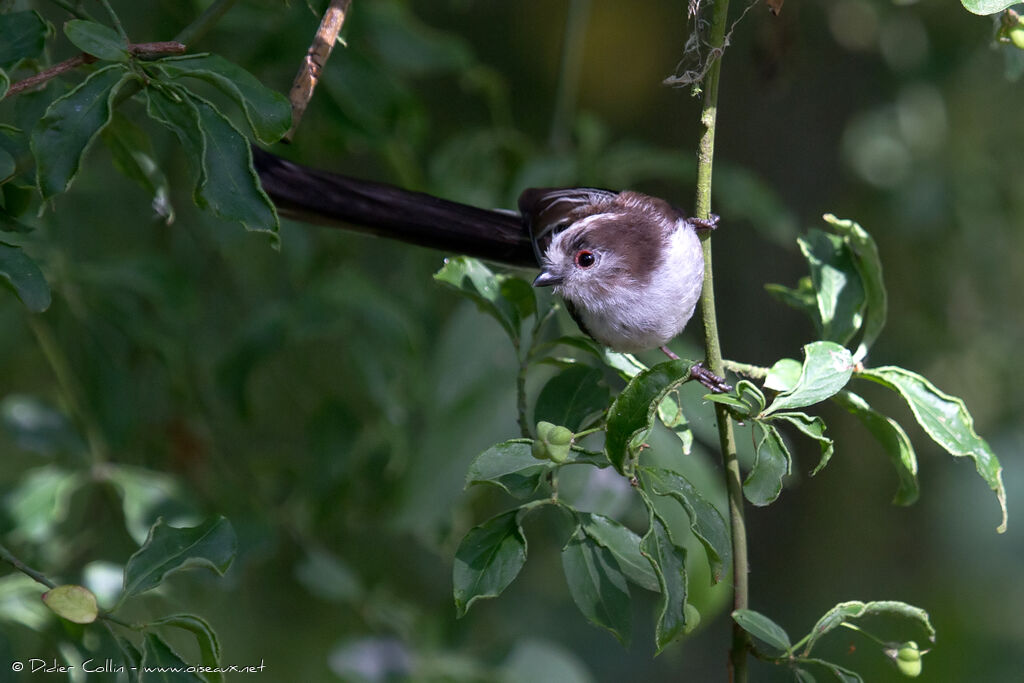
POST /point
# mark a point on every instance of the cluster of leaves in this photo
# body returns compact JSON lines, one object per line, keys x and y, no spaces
{"x":845,"y":297}
{"x":166,"y":550}
{"x":905,"y":654}
{"x":219,"y":153}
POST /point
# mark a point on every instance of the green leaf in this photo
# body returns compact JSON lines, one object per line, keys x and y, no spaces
{"x":801,"y":298}
{"x":783,"y":375}
{"x":206,"y":638}
{"x":624,"y":544}
{"x":24,"y":277}
{"x":631,"y":415}
{"x":947,"y":422}
{"x":533,"y":660}
{"x":762,"y":628}
{"x":37,"y":426}
{"x":161,"y":663}
{"x":40,"y":501}
{"x":813,"y":427}
{"x":268,"y":113}
{"x":74,"y":603}
{"x":597,"y":585}
{"x":475,"y":281}
{"x":70,"y":124}
{"x":869,"y":267}
{"x":670,"y":412}
{"x":838,"y":291}
{"x":803,"y":676}
{"x":893,"y":439}
{"x":984,"y":7}
{"x":706,"y":522}
{"x":745,"y":401}
{"x":22,"y":34}
{"x":511,"y":467}
{"x":176,"y":112}
{"x":669,"y":563}
{"x":7,"y":164}
{"x":847,"y":611}
{"x":771,"y":463}
{"x":102,"y":42}
{"x":571,"y":396}
{"x":170,"y":549}
{"x":826,"y":369}
{"x":488,"y":559}
{"x":841,"y":674}
{"x":145,"y":495}
{"x":133,"y":157}
{"x":132,"y":658}
{"x":232,"y":190}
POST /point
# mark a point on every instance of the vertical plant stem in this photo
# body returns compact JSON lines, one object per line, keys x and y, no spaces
{"x":204,"y":22}
{"x":569,"y":73}
{"x":726,"y":435}
{"x":71,"y":389}
{"x":524,"y":425}
{"x":116,"y":19}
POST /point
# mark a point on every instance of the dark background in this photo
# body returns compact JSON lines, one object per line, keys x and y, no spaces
{"x":328,"y":397}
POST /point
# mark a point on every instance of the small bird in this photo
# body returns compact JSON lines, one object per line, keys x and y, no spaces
{"x":629,"y":266}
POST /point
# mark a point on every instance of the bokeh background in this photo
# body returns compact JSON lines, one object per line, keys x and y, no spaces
{"x":328,"y":397}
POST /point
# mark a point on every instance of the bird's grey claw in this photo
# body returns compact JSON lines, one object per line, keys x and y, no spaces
{"x":713,"y":382}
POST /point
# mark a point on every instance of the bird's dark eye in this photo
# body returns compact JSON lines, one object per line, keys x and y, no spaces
{"x":585,"y":258}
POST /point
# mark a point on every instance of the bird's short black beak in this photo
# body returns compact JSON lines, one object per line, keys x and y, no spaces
{"x":547,"y":279}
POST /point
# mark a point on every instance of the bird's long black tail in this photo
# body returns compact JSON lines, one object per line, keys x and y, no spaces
{"x":315,"y":196}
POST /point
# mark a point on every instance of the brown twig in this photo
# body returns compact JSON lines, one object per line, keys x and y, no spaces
{"x":166,"y":47}
{"x":313,"y":63}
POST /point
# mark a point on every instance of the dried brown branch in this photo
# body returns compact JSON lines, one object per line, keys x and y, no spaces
{"x":313,"y":63}
{"x":166,"y":47}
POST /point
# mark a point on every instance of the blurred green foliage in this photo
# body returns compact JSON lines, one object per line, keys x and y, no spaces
{"x":328,"y":398}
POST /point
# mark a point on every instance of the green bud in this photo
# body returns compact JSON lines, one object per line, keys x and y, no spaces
{"x":908,"y":659}
{"x":540,"y":450}
{"x":544,"y":429}
{"x":1016,"y":36}
{"x":553,"y":442}
{"x":560,"y":436}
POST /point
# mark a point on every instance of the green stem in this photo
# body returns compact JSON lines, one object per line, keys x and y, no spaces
{"x":745,"y":369}
{"x":569,"y":73}
{"x":70,"y":388}
{"x":524,"y":424}
{"x":204,"y":22}
{"x":117,"y":20}
{"x":68,"y":7}
{"x":8,"y":557}
{"x":726,"y":436}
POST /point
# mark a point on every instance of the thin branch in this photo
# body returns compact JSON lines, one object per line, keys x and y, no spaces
{"x":114,"y":18}
{"x":315,"y":60}
{"x":8,"y":557}
{"x":727,"y":438}
{"x":569,"y":73}
{"x":166,"y":47}
{"x":45,"y":75}
{"x":204,"y":22}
